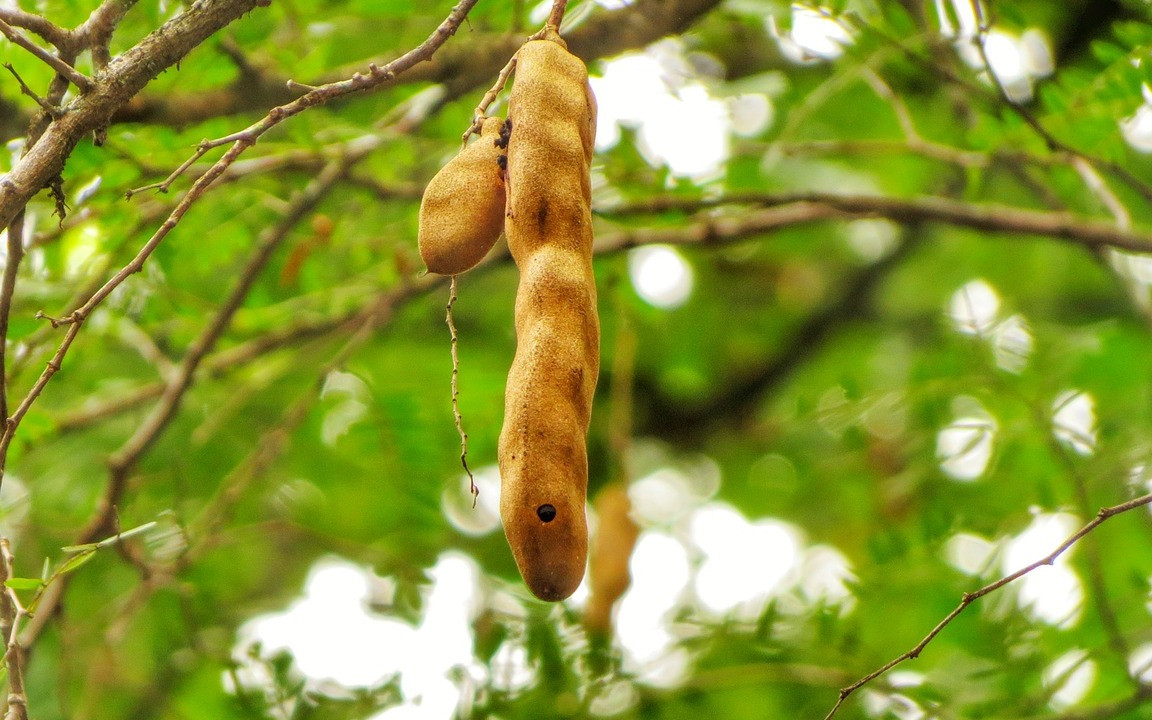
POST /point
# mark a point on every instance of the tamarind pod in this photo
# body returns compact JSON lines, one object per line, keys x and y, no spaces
{"x":609,"y":555}
{"x":462,"y":211}
{"x":548,"y":399}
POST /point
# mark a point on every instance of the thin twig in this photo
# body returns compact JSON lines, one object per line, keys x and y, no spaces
{"x":784,"y":211}
{"x":76,"y":77}
{"x":456,"y":392}
{"x":488,"y":99}
{"x":43,"y":27}
{"x":46,"y":106}
{"x":556,"y":15}
{"x":122,"y":461}
{"x":96,"y":32}
{"x":11,"y":613}
{"x":375,"y":76}
{"x":813,"y":206}
{"x":7,"y":290}
{"x":971,"y":597}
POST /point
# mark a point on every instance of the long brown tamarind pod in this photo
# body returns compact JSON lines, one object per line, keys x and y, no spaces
{"x":462,"y":211}
{"x":609,"y":576}
{"x":548,"y":399}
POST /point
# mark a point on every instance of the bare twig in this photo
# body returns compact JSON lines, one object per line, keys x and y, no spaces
{"x":488,"y":99}
{"x":376,"y":76}
{"x":46,"y":106}
{"x":785,"y":211}
{"x":969,"y":598}
{"x":456,"y":391}
{"x":998,"y":95}
{"x":810,"y":207}
{"x":556,"y":15}
{"x":43,"y":27}
{"x":96,"y":32}
{"x":125,"y":458}
{"x":7,"y":290}
{"x":76,"y":77}
{"x":11,"y":613}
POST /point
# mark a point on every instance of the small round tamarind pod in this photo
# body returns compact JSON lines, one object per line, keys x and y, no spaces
{"x":608,"y":558}
{"x":462,"y":211}
{"x":548,"y":398}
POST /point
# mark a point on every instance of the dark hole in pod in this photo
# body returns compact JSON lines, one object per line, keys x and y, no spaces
{"x":546,"y":513}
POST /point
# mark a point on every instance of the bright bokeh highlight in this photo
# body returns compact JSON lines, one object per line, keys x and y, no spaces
{"x":1053,"y":593}
{"x":660,"y":275}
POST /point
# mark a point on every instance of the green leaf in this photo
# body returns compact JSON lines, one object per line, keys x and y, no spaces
{"x":17,"y":583}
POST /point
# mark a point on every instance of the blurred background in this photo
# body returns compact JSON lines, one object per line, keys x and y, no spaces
{"x":848,"y":373}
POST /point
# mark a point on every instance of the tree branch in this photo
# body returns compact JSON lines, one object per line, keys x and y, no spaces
{"x":41,"y":26}
{"x":122,"y":462}
{"x":461,"y":68}
{"x":76,"y":77}
{"x":794,"y":208}
{"x":123,"y":78}
{"x":11,"y":613}
{"x":375,"y":77}
{"x":969,"y":598}
{"x":785,"y":211}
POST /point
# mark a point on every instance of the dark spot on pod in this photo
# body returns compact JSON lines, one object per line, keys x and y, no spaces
{"x":546,"y":513}
{"x":505,"y":134}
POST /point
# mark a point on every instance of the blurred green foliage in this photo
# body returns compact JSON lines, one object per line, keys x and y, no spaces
{"x":783,"y":399}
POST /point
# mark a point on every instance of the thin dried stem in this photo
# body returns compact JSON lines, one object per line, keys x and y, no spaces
{"x":376,"y":76}
{"x":971,"y":597}
{"x":76,"y":77}
{"x":46,"y":106}
{"x":556,"y":15}
{"x":11,"y":613}
{"x":456,"y":392}
{"x":489,"y":97}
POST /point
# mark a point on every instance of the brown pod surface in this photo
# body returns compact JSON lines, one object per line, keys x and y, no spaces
{"x":609,"y":576}
{"x":548,"y":399}
{"x":462,"y":211}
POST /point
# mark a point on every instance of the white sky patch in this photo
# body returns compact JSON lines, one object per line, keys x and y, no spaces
{"x":1051,"y":593}
{"x":1071,"y":676}
{"x":688,"y":132}
{"x":872,"y":239}
{"x":824,"y":577}
{"x":814,"y":36}
{"x":895,"y":705}
{"x":1137,"y":127}
{"x":677,"y":120}
{"x":744,"y":562}
{"x":974,"y":308}
{"x":330,"y":633}
{"x":750,"y":114}
{"x":613,"y":699}
{"x":1140,"y":663}
{"x":1018,"y":61}
{"x":349,"y":408}
{"x":456,"y":502}
{"x":333,"y":637}
{"x":969,"y":553}
{"x":660,"y":573}
{"x":1074,"y":420}
{"x":660,"y":275}
{"x":511,"y":671}
{"x":964,"y":448}
{"x":1012,"y":343}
